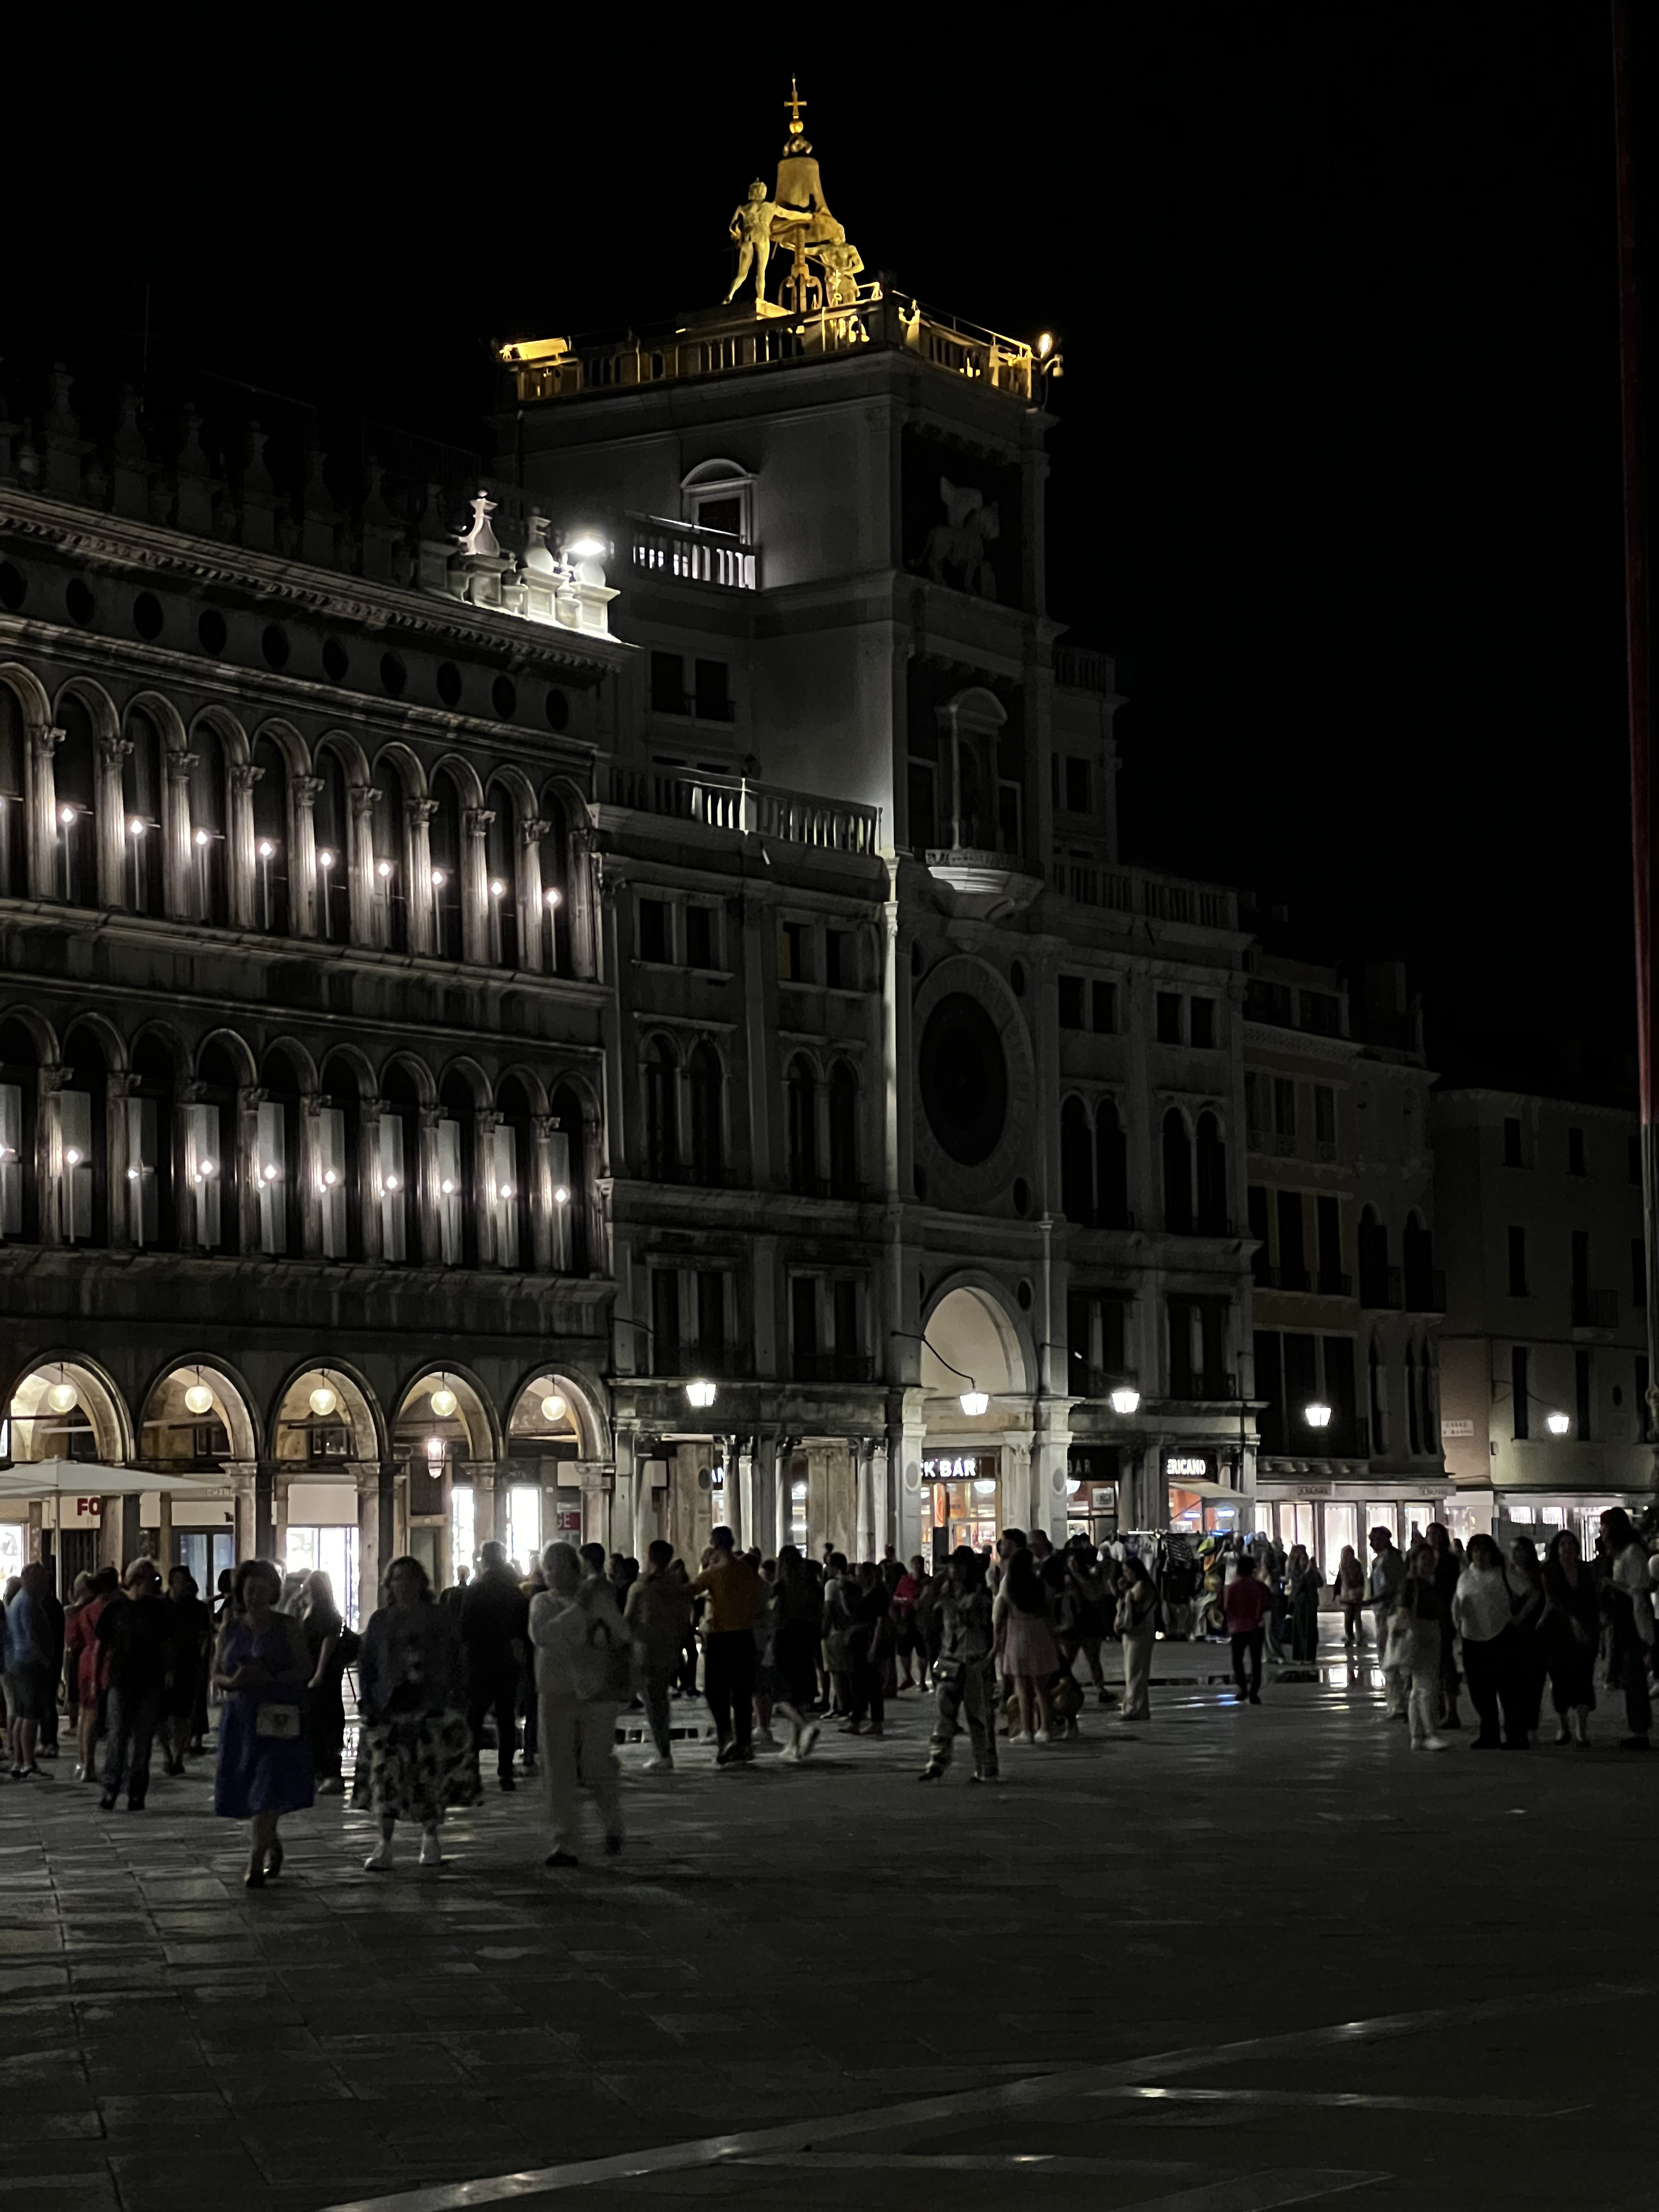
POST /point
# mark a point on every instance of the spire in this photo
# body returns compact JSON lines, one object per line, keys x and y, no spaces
{"x":795,"y":104}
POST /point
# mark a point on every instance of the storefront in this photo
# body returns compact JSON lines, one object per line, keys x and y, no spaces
{"x":961,"y":1498}
{"x":1200,"y":1502}
{"x":1325,"y":1515}
{"x":1091,"y":1493}
{"x":1541,"y":1515}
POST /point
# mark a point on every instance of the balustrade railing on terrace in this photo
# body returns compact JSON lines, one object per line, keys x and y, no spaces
{"x":1136,"y":890}
{"x":835,"y":825}
{"x":690,"y":553}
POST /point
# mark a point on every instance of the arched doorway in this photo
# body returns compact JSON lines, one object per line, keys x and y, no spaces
{"x":323,"y":1421}
{"x":544,"y":1440}
{"x":61,"y":1409}
{"x":441,"y":1428}
{"x":970,"y":1353}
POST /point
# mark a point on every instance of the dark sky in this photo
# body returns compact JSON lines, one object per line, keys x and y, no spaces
{"x":1337,"y":468}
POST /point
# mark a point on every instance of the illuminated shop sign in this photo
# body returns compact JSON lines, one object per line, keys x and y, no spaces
{"x":964,"y":1468}
{"x":1176,"y":1464}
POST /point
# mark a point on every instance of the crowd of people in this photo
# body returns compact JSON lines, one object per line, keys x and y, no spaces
{"x":1008,"y":1644}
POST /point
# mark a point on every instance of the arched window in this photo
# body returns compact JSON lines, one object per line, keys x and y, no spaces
{"x":803,"y":1126}
{"x":211,"y":1168}
{"x":1417,"y":1256}
{"x":398,"y":1181}
{"x":502,"y":885}
{"x":143,"y":800}
{"x":1111,"y":1168}
{"x":458,"y":1195}
{"x":843,"y":1131}
{"x":1413,"y":1427}
{"x":276,"y":1151}
{"x":339,"y":1160}
{"x":514,"y":1167}
{"x":270,"y":839}
{"x":1212,"y":1178}
{"x":1077,"y":1167}
{"x":81,"y":1165}
{"x":571,"y":1245}
{"x":331,"y":828}
{"x":210,"y":805}
{"x":1373,"y":1248}
{"x":555,"y":885}
{"x":662,"y":1120}
{"x":152,"y":1215}
{"x":13,"y":796}
{"x":75,"y":785}
{"x":19,"y":1102}
{"x":1177,"y":1176}
{"x":444,"y":836}
{"x":708,"y":1088}
{"x":389,"y":832}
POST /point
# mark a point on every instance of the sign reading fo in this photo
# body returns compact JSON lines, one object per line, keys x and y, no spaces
{"x":88,"y":1509}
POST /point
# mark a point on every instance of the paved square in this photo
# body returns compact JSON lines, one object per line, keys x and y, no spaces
{"x":1233,"y":1959}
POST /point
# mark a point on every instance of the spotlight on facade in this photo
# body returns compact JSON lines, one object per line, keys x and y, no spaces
{"x":1126,"y":1399}
{"x":506,"y":1190}
{"x":383,"y":869}
{"x":72,"y":1157}
{"x":135,"y":1174}
{"x":438,"y":879}
{"x":555,"y":897}
{"x":444,"y":1401}
{"x":449,"y":1186}
{"x":63,"y":1397}
{"x":66,"y":815}
{"x":1045,"y":345}
{"x":435,"y":1448}
{"x":330,"y":1178}
{"x":587,"y":549}
{"x":326,"y":860}
{"x":207,"y":1168}
{"x":497,"y":888}
{"x":976,"y":1402}
{"x":268,"y":1173}
{"x":1317,"y":1416}
{"x":201,"y":838}
{"x":700,"y":1395}
{"x":561,"y":1195}
{"x":553,"y":1407}
{"x":324,"y":1400}
{"x":267,"y":850}
{"x":135,"y":828}
{"x":198,"y":1399}
{"x":1557,"y":1424}
{"x":393,"y":1183}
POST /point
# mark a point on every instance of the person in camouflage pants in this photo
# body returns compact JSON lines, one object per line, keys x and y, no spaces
{"x":965,"y":1668}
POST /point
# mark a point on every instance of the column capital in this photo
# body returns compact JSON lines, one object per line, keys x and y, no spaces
{"x":305,"y":789}
{"x":45,"y":740}
{"x":478,"y":819}
{"x":180,"y":765}
{"x":111,"y":751}
{"x":420,"y":810}
{"x":244,"y":775}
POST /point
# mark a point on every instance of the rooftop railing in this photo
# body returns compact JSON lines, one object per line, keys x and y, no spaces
{"x":690,"y":553}
{"x":718,"y":802}
{"x":1137,"y":890}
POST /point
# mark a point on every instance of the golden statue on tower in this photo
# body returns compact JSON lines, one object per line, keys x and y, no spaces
{"x":824,"y":267}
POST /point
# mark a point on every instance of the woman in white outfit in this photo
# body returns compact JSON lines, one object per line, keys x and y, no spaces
{"x":582,"y":1676}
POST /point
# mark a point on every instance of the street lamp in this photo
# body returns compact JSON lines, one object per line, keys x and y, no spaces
{"x":553,"y":1407}
{"x":700,"y":1396}
{"x":1316,"y":1415}
{"x":1557,"y":1424}
{"x":444,"y":1401}
{"x":1126,"y":1399}
{"x":974,"y":1402}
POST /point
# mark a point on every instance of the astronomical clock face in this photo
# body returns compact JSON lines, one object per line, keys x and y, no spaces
{"x":975,"y":1087}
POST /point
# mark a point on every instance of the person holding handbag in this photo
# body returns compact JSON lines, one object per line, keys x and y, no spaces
{"x":264,"y":1753}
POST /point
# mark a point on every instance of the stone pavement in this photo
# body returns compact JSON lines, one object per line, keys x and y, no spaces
{"x":1233,"y":1959}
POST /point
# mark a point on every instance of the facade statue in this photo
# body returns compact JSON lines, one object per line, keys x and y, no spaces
{"x":959,"y":541}
{"x":751,"y":226}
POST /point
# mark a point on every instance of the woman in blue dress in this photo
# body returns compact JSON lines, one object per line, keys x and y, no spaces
{"x":264,"y":1753}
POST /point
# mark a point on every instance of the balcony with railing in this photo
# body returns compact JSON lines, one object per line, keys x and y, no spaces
{"x":687,"y":553}
{"x":1138,"y":890}
{"x":719,"y":802}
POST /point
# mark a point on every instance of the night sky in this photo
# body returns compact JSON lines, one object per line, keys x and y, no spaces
{"x":1337,"y":467}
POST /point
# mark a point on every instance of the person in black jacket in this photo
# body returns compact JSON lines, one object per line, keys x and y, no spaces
{"x":495,"y":1634}
{"x":137,"y":1632}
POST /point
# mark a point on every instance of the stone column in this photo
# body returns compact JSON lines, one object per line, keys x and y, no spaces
{"x":1051,"y":1460}
{"x":598,"y":1477}
{"x":49,"y":1152}
{"x":311,"y":1212}
{"x":537,"y":1172}
{"x":45,"y":877}
{"x":864,"y":1522}
{"x":117,"y":1090}
{"x":241,"y":873}
{"x":372,"y":1556}
{"x":282,"y":1478}
{"x":475,"y":883}
{"x":632,"y":1484}
{"x":368,"y":1171}
{"x":177,"y":854}
{"x":360,"y":850}
{"x":582,"y":894}
{"x":302,"y":791}
{"x":241,"y":1509}
{"x":426,"y":1193}
{"x":249,"y":1099}
{"x":485,"y":1123}
{"x":111,"y":822}
{"x":417,"y":814}
{"x":487,"y":1503}
{"x":164,"y":1550}
{"x":533,"y":913}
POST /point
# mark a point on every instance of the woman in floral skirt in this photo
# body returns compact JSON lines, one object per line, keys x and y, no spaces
{"x":416,"y":1757}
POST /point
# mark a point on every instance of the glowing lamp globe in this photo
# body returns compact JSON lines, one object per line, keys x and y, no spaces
{"x":444,"y":1402}
{"x":63,"y":1397}
{"x":553,"y":1407}
{"x":198,"y":1399}
{"x":324,"y":1400}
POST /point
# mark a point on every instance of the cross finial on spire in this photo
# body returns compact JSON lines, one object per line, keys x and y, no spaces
{"x":795,"y":104}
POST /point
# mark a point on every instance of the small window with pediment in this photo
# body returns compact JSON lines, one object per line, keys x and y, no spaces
{"x":717,"y":496}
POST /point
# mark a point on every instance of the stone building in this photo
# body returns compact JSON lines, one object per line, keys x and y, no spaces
{"x":1545,"y":1360}
{"x":624,"y":1014}
{"x":1347,"y":1297}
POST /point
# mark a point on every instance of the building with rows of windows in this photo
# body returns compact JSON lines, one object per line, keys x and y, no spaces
{"x":615,"y":1010}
